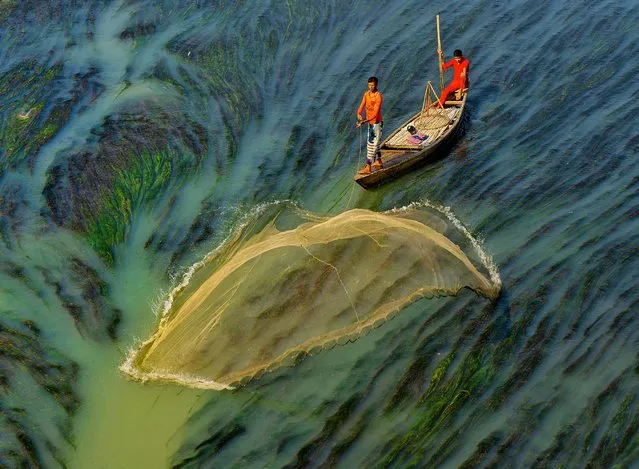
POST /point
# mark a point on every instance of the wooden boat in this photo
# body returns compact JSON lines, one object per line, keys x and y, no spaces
{"x":439,"y":127}
{"x":400,"y":157}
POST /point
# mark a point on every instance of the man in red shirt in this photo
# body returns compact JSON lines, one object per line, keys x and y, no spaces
{"x":372,"y":103}
{"x":460,"y":81}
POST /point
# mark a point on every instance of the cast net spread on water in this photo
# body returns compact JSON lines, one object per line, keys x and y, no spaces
{"x":292,"y":283}
{"x":431,"y":117}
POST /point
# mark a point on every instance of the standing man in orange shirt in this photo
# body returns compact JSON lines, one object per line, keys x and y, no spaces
{"x":460,"y":81}
{"x":372,"y":103}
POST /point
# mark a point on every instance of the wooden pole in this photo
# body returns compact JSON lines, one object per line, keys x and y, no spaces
{"x":439,"y":58}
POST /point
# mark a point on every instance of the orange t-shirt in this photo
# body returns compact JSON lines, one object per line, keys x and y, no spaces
{"x":373,"y":104}
{"x":458,"y":68}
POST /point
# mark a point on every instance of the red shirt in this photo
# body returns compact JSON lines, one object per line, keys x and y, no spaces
{"x":457,"y":69}
{"x":373,"y":104}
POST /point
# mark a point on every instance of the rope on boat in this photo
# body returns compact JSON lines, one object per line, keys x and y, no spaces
{"x":359,"y":158}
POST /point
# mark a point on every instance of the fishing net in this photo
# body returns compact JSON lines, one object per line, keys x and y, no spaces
{"x":431,"y":117}
{"x":297,"y":283}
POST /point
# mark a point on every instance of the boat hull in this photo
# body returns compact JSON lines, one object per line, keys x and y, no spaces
{"x":399,"y":160}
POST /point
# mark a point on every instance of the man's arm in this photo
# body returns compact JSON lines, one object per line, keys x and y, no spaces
{"x":361,"y":108}
{"x":445,"y":65}
{"x":464,"y":72}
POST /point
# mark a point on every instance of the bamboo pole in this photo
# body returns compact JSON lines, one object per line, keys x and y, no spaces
{"x":439,"y":58}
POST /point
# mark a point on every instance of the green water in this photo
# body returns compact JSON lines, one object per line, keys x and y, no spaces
{"x":123,"y":423}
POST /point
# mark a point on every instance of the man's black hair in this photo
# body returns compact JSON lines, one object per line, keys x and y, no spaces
{"x":374,"y":80}
{"x":457,"y":53}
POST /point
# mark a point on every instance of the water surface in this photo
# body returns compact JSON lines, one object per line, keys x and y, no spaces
{"x":136,"y":136}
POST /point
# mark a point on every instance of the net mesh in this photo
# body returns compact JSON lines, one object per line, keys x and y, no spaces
{"x":431,"y":117}
{"x":279,"y":290}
